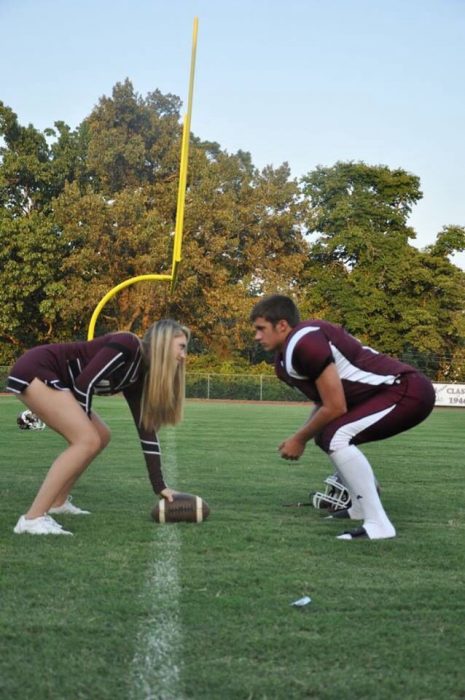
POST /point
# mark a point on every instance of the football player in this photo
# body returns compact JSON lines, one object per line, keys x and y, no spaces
{"x":360,"y":396}
{"x":57,"y":383}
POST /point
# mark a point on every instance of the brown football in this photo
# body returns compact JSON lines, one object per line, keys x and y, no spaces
{"x":185,"y":508}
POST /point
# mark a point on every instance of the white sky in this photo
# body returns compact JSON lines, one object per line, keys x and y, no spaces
{"x":309,"y":82}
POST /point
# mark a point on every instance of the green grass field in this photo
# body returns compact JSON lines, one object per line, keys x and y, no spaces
{"x":130,"y":610}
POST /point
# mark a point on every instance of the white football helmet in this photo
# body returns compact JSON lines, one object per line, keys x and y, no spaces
{"x":27,"y":420}
{"x":334,"y":497}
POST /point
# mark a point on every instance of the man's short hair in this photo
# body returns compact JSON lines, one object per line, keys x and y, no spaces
{"x":274,"y":308}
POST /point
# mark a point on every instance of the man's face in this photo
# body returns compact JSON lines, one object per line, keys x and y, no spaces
{"x":271,"y":337}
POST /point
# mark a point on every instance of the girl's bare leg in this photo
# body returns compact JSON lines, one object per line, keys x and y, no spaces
{"x":62,"y":413}
{"x":105,"y":435}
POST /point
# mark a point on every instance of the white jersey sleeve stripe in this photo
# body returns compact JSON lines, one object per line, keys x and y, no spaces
{"x":351,"y":373}
{"x":290,"y":350}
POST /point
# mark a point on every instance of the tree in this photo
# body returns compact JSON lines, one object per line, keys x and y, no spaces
{"x":242,"y":238}
{"x":362,"y":271}
{"x":86,"y":209}
{"x":29,"y":251}
{"x":81,"y":211}
{"x":354,"y":205}
{"x":240,"y":226}
{"x":133,"y":141}
{"x":34,"y":167}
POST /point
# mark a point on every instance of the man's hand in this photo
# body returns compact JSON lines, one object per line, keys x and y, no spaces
{"x":292,"y":448}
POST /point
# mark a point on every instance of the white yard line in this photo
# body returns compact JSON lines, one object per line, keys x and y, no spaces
{"x":155,"y":673}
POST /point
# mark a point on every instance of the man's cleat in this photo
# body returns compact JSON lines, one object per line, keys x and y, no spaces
{"x":44,"y":525}
{"x":68,"y":508}
{"x":358,"y":534}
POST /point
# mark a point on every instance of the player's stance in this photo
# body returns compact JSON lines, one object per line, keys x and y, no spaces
{"x":57,"y":383}
{"x":360,"y":396}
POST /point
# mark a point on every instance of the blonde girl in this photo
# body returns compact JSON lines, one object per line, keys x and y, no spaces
{"x":57,"y":382}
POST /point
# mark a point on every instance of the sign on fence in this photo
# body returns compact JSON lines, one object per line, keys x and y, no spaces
{"x":450,"y":394}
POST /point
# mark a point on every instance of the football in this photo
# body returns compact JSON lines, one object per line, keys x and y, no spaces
{"x":185,"y":508}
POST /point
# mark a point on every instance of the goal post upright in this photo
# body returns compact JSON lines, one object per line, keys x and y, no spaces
{"x":177,"y":241}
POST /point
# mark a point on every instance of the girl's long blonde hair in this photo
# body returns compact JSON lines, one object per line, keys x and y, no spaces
{"x":162,"y":400}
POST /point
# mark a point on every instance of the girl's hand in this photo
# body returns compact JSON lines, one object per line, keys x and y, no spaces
{"x":168,"y":494}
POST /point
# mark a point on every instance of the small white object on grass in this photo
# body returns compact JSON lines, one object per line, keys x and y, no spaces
{"x":302,"y":601}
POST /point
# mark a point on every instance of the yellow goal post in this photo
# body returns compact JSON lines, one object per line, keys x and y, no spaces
{"x":177,"y":242}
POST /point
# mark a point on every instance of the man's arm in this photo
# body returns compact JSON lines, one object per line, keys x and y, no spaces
{"x":333,"y":404}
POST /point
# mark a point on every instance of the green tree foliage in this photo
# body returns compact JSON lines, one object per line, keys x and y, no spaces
{"x":133,"y":141}
{"x":241,"y":226}
{"x":82,"y":210}
{"x":242,"y":238}
{"x":32,"y":173}
{"x":108,"y":194}
{"x":363,"y":272}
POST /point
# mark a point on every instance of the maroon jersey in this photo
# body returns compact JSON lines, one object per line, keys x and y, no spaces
{"x":104,"y":366}
{"x":313,"y":345}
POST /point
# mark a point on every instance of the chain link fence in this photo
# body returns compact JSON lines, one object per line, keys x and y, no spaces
{"x":243,"y":387}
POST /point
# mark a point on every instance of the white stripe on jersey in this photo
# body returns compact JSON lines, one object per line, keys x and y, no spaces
{"x":351,"y":373}
{"x":90,"y":386}
{"x":344,"y":435}
{"x":20,"y":381}
{"x":151,"y":452}
{"x":345,"y":368}
{"x":290,"y":351}
{"x":150,"y":448}
{"x":132,"y":371}
{"x":103,"y":386}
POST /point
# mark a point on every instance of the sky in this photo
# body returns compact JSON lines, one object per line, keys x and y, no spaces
{"x":307,"y":82}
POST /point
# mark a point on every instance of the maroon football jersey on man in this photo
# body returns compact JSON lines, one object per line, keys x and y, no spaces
{"x":313,"y":345}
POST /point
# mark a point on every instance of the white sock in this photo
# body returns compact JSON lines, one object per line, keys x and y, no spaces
{"x":358,"y":476}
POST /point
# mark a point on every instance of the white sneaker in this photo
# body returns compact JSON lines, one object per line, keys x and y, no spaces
{"x":45,"y":525}
{"x":68,"y":507}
